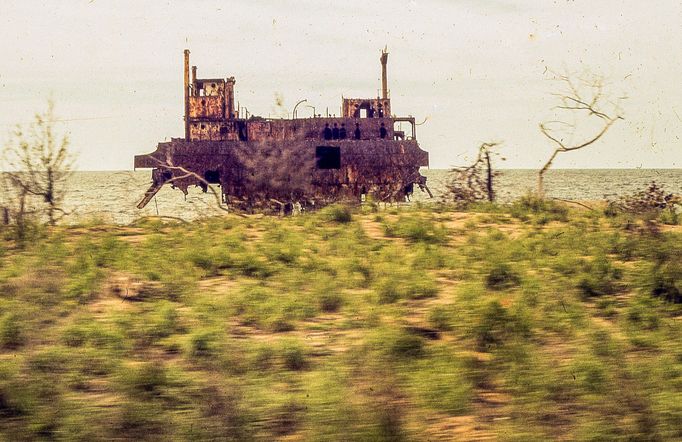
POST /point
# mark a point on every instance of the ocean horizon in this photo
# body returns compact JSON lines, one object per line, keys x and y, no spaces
{"x":113,"y":195}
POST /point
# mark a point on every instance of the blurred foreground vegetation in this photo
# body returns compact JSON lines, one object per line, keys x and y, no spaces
{"x":531,"y":321}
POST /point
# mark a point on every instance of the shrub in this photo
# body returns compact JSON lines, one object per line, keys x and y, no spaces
{"x":440,"y":318}
{"x":501,"y":276}
{"x":50,"y":361}
{"x":666,"y":287}
{"x":294,"y":356}
{"x":138,"y":420}
{"x":643,"y":314}
{"x":11,"y":332}
{"x":405,"y":286}
{"x":263,"y":357}
{"x":602,"y":344}
{"x":531,"y":203}
{"x":165,"y":319}
{"x":416,"y":229}
{"x":651,"y":202}
{"x":250,"y":265}
{"x":663,"y":279}
{"x":281,"y":324}
{"x":420,"y":286}
{"x":600,"y":277}
{"x":468,"y":185}
{"x":337,"y":213}
{"x":591,"y":374}
{"x":440,"y":382}
{"x":429,"y":257}
{"x":388,"y":290}
{"x":75,"y":336}
{"x":493,"y":326}
{"x":201,"y":343}
{"x":330,"y":302}
{"x":407,"y":345}
{"x":147,"y":378}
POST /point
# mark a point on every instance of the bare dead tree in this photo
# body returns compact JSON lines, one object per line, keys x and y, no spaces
{"x":167,"y":164}
{"x":37,"y":164}
{"x":474,"y":182}
{"x":583,"y":107}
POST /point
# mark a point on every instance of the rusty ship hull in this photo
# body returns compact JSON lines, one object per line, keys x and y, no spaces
{"x":309,"y":160}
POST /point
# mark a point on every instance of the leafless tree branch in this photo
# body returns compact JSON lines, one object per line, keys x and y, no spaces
{"x":37,"y":164}
{"x":574,"y":99}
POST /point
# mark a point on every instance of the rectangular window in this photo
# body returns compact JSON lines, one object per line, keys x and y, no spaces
{"x":328,"y":157}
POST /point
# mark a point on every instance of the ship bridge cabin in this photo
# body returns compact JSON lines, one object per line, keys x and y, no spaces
{"x":211,"y":116}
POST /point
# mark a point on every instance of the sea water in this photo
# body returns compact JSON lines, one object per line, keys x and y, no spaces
{"x":113,"y":196}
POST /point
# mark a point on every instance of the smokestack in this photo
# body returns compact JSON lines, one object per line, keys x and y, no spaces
{"x":186,"y":94}
{"x":384,"y":80}
{"x":229,"y":97}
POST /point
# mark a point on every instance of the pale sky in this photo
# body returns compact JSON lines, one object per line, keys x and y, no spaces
{"x":475,"y":68}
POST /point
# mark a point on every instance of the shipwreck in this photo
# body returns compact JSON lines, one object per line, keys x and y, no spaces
{"x":315,"y":160}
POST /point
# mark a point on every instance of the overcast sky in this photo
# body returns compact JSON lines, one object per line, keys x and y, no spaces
{"x":478,"y":70}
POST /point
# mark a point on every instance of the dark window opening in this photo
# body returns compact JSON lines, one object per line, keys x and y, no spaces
{"x":382,"y":131}
{"x":203,"y":127}
{"x":242,"y":131}
{"x":212,"y":176}
{"x":328,"y":157}
{"x":223,"y":130}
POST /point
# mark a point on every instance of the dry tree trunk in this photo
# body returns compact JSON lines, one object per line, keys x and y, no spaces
{"x":571,"y":100}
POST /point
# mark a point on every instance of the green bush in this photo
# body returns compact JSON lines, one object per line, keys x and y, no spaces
{"x":440,"y":318}
{"x":263,"y":358}
{"x":202,"y":343}
{"x":330,"y":302}
{"x":281,"y":324}
{"x":75,"y":335}
{"x":600,"y":278}
{"x":415,"y":285}
{"x":337,"y":213}
{"x":147,"y":378}
{"x":250,"y":264}
{"x":643,"y":314}
{"x":664,"y":280}
{"x":49,"y":361}
{"x":501,"y":276}
{"x":441,"y":383}
{"x":420,"y":286}
{"x":545,"y":210}
{"x":293,"y":356}
{"x":493,"y":326}
{"x":407,"y":345}
{"x":416,"y":229}
{"x":11,"y":332}
{"x":591,"y":375}
{"x":388,"y":290}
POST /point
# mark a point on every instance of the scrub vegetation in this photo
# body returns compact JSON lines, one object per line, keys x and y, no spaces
{"x":531,"y":321}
